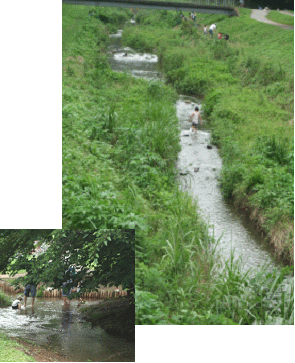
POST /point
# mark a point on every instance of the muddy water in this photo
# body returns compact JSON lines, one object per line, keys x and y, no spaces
{"x":232,"y":230}
{"x":53,"y":326}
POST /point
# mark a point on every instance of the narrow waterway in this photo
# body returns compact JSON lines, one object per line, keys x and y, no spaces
{"x":52,"y":325}
{"x":199,"y":167}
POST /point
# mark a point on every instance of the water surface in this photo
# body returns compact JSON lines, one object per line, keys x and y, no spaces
{"x":62,"y":329}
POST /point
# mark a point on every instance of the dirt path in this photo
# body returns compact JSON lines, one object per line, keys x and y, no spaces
{"x":260,"y":15}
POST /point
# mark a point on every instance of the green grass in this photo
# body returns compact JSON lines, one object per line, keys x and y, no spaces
{"x":4,"y":300}
{"x":10,"y":351}
{"x":278,"y":17}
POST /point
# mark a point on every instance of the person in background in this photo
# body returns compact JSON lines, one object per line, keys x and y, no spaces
{"x":241,"y":3}
{"x":205,"y":29}
{"x":219,"y":35}
{"x":17,"y":303}
{"x":30,"y":288}
{"x":212,"y":28}
{"x":225,"y":36}
{"x":66,"y":286}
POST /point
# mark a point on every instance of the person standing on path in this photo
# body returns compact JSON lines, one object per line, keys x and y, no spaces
{"x":195,"y":117}
{"x":212,"y":29}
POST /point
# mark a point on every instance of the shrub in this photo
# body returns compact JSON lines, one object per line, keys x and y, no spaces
{"x":230,"y":177}
{"x":149,"y":310}
{"x":4,"y":299}
{"x":211,"y":100}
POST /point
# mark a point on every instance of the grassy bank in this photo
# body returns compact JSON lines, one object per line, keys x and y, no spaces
{"x":120,"y":144}
{"x":278,"y":17}
{"x":247,"y":86}
{"x":4,"y":300}
{"x":11,"y":351}
{"x":115,"y":316}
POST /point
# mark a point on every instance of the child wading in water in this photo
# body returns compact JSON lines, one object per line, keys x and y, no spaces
{"x":195,"y":117}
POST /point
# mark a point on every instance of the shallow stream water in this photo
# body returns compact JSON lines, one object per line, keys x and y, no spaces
{"x":53,"y":326}
{"x":200,"y":167}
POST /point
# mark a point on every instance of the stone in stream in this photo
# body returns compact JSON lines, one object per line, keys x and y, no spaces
{"x":196,"y":169}
{"x":209,"y":146}
{"x":184,"y":172}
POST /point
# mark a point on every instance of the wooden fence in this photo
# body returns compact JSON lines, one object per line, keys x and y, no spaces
{"x":55,"y":293}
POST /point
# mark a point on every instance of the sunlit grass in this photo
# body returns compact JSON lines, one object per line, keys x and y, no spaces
{"x":278,"y":17}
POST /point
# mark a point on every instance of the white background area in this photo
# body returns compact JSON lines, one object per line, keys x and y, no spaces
{"x":30,"y":114}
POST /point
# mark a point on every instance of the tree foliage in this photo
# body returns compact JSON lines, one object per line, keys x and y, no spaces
{"x":98,"y":257}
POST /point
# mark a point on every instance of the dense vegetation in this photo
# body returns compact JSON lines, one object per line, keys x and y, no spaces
{"x":4,"y":300}
{"x":119,"y":153}
{"x":11,"y":351}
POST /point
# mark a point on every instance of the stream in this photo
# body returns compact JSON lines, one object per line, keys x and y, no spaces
{"x":54,"y":326}
{"x":233,"y":231}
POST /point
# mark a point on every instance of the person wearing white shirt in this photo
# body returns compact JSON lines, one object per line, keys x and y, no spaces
{"x":211,"y":29}
{"x":16,"y":303}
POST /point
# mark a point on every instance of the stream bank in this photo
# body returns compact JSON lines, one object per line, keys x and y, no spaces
{"x":115,"y":316}
{"x":38,"y":353}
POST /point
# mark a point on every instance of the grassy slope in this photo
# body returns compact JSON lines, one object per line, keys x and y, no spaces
{"x":280,"y":18}
{"x":10,"y":351}
{"x":4,"y":299}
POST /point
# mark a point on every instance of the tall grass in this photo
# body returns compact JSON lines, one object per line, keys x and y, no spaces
{"x":4,"y":299}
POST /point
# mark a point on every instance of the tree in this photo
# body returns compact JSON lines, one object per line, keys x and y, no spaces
{"x":98,"y":257}
{"x":13,"y":241}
